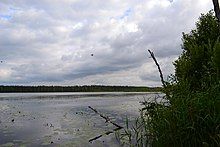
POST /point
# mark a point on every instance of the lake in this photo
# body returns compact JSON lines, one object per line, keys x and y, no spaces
{"x":64,"y":119}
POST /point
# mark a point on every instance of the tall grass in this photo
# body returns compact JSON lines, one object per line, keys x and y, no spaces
{"x":191,"y":119}
{"x":186,"y":119}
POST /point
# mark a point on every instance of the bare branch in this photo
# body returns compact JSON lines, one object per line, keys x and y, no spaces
{"x":95,"y":138}
{"x":107,"y":119}
{"x":158,"y":66}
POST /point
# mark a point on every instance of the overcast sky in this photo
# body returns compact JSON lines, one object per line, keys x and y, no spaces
{"x":83,"y":42}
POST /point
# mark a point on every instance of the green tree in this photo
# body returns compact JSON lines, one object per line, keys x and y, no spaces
{"x":198,"y":65}
{"x":190,"y":113}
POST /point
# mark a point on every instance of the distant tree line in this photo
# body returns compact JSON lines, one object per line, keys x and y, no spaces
{"x":85,"y":88}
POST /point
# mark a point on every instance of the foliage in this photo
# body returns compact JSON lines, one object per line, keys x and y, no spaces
{"x":199,"y":62}
{"x":191,"y":119}
{"x":190,"y":115}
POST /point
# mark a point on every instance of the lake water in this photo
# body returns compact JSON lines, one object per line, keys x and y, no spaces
{"x":64,"y":119}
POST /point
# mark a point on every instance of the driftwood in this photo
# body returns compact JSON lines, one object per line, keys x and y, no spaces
{"x":107,"y":119}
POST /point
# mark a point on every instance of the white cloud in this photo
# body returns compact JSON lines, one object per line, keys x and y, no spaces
{"x":51,"y":41}
{"x":5,"y":74}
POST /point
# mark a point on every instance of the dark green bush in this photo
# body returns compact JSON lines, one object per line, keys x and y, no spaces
{"x":199,"y":63}
{"x":190,"y":115}
{"x":193,"y":116}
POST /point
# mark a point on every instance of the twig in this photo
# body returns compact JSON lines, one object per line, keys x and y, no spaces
{"x":107,"y":119}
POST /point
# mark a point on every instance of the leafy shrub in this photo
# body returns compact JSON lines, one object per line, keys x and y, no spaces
{"x":190,"y":115}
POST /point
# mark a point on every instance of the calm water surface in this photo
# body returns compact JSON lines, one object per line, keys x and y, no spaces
{"x":64,"y":119}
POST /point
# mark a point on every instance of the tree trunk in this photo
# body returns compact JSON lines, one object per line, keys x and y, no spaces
{"x":216,"y":9}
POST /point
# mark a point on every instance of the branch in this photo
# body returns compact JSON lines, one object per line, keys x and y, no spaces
{"x":106,"y":133}
{"x":107,"y":119}
{"x":158,"y":66}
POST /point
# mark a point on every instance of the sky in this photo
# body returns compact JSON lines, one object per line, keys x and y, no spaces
{"x":92,"y":42}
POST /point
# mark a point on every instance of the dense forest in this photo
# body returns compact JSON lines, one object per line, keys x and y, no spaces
{"x":85,"y":88}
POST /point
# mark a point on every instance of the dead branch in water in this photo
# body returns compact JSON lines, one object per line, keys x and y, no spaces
{"x":107,"y":119}
{"x":106,"y":133}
